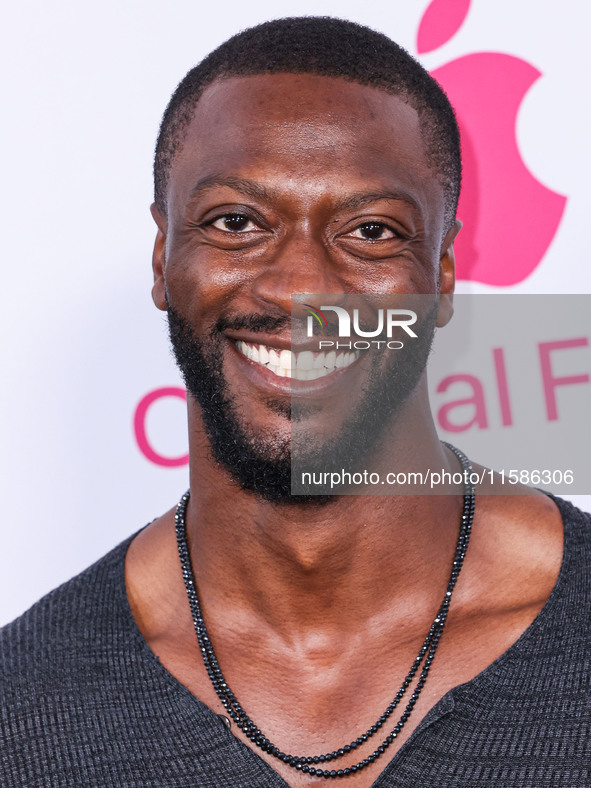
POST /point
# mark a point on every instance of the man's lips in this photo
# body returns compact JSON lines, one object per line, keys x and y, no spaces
{"x":304,"y":365}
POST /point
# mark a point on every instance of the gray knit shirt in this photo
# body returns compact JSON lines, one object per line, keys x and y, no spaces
{"x":85,"y":702}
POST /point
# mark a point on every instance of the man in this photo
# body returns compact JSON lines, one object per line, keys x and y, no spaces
{"x":307,"y":156}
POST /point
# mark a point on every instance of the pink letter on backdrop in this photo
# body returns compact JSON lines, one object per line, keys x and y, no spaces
{"x":477,"y":399}
{"x":503,"y":388}
{"x":139,"y":426}
{"x":548,"y":379}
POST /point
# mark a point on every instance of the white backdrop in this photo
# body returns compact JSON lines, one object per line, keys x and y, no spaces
{"x":84,"y":86}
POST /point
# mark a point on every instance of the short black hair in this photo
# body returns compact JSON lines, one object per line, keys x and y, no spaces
{"x":328,"y":47}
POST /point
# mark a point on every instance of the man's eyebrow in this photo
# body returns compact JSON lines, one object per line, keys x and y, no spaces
{"x":243,"y":185}
{"x":360,"y":199}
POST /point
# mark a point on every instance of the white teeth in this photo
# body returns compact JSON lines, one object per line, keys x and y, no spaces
{"x":318,"y":361}
{"x":305,"y":359}
{"x":286,"y":360}
{"x":304,"y":365}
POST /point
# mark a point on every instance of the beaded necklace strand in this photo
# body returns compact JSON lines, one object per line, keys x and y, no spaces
{"x":313,"y":764}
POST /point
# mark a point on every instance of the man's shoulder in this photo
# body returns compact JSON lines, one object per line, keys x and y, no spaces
{"x":66,"y":627}
{"x":573,"y":587}
{"x":557,"y":543}
{"x":576,"y":522}
{"x":539,"y":549}
{"x":83,"y":701}
{"x":577,"y":539}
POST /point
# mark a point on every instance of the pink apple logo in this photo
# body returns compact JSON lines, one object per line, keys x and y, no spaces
{"x":509,"y":217}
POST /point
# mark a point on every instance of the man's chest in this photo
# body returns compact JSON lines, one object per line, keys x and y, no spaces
{"x":363,"y":709}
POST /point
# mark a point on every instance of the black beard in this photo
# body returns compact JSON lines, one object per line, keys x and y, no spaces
{"x":264,"y":465}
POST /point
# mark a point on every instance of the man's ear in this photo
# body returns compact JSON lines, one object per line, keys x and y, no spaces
{"x":447,"y":275}
{"x":159,"y":258}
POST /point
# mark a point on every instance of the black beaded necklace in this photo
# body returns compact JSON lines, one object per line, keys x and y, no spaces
{"x":312,"y":764}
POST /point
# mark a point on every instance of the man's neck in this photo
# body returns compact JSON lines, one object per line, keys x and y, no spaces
{"x":336,"y":566}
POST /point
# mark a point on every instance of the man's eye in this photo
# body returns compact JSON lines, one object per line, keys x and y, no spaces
{"x":233,"y":222}
{"x":372,"y":231}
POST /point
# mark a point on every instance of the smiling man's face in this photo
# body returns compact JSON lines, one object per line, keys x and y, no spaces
{"x":285,"y":184}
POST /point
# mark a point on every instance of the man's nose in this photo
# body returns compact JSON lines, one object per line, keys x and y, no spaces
{"x":300,"y":264}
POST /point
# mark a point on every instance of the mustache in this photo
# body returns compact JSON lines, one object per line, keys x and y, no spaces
{"x":253,"y":322}
{"x":271,"y":324}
